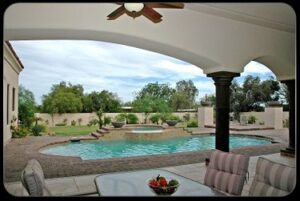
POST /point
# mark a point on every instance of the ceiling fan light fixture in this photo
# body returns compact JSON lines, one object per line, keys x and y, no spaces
{"x":134,"y":7}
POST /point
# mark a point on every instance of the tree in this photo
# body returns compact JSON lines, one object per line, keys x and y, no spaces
{"x":105,"y":100}
{"x":150,"y":104}
{"x":179,"y":100}
{"x":155,"y":90}
{"x":63,"y":99}
{"x":185,"y":95}
{"x":253,"y":94}
{"x":26,"y":106}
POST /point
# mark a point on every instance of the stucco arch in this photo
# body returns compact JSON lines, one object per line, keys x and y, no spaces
{"x":207,"y":35}
{"x":283,"y":69}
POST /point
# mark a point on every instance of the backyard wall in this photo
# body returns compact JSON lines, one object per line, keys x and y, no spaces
{"x":86,"y":117}
{"x":12,"y":67}
{"x":263,"y":117}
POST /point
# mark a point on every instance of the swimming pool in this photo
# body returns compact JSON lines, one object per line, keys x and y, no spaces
{"x":90,"y":150}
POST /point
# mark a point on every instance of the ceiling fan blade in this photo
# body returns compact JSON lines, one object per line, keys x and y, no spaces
{"x":117,"y":13}
{"x":165,"y":5}
{"x":151,"y":14}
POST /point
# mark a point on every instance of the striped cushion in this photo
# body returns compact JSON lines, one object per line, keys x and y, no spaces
{"x":227,"y":172}
{"x":272,"y":179}
{"x":33,"y":179}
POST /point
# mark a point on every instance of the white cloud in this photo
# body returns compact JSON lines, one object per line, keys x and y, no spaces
{"x":99,"y":65}
{"x":255,"y":67}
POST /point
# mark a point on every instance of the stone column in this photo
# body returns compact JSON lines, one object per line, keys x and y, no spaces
{"x":205,"y":116}
{"x":273,"y":116}
{"x":222,"y":82}
{"x":290,"y":150}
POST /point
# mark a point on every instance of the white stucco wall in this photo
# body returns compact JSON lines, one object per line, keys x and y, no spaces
{"x":210,"y":36}
{"x":86,"y":117}
{"x":10,"y":76}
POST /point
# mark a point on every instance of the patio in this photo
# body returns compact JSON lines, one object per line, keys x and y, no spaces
{"x":67,"y":186}
{"x":222,"y":56}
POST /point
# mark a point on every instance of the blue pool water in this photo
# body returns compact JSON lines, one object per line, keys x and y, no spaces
{"x":147,"y":129}
{"x":89,"y":150}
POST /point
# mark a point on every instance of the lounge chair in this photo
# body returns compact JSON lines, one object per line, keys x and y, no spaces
{"x":227,"y":172}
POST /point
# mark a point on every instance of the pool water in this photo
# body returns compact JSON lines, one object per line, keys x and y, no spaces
{"x":89,"y":150}
{"x":147,"y":129}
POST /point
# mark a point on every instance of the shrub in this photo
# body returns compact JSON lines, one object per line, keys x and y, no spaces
{"x":65,"y":121}
{"x":120,"y":117}
{"x":37,"y":129}
{"x":173,"y":117}
{"x":47,"y":122}
{"x":251,"y":119}
{"x":79,"y":121}
{"x":155,"y":118}
{"x":107,"y":120}
{"x":186,"y":117}
{"x":92,"y":122}
{"x":192,"y":123}
{"x":19,"y":132}
{"x":60,"y":124}
{"x":132,"y":118}
{"x":73,"y":123}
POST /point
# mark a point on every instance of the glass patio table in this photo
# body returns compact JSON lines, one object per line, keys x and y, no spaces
{"x":134,"y":183}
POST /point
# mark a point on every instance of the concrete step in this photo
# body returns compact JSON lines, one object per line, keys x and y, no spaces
{"x":102,"y":130}
{"x":96,"y":134}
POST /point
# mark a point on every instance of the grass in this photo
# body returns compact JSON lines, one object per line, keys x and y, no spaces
{"x":72,"y":130}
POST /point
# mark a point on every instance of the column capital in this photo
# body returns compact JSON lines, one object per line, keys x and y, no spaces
{"x":223,"y":74}
{"x":223,"y":77}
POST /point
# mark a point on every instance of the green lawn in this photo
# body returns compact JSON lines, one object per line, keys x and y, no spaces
{"x":72,"y":130}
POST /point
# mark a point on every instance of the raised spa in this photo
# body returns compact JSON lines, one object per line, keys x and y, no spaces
{"x":89,"y":150}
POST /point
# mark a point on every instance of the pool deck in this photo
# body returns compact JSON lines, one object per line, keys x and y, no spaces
{"x":67,"y":186}
{"x":18,"y":151}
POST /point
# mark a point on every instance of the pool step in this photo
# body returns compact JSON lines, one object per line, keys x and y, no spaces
{"x":96,"y":135}
{"x":102,"y":130}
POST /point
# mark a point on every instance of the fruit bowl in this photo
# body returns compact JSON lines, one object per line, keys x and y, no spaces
{"x":163,"y":186}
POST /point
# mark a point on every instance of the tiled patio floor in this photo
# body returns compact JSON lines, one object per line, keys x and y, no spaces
{"x":85,"y":184}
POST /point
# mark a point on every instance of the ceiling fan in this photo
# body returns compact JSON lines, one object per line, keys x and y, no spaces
{"x":146,"y":9}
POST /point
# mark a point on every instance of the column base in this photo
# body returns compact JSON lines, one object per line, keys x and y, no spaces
{"x":288,"y":152}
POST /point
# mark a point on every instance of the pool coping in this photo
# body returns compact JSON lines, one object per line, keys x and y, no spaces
{"x":63,"y":166}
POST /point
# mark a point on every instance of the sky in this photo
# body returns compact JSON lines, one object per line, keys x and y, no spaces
{"x":117,"y":68}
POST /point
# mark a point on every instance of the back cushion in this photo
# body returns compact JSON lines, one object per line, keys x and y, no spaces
{"x":227,"y":172}
{"x":272,"y":179}
{"x":33,"y":179}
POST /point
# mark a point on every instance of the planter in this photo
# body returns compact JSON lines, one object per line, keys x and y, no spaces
{"x":171,"y":122}
{"x":274,"y":104}
{"x":118,"y":124}
{"x":205,"y":103}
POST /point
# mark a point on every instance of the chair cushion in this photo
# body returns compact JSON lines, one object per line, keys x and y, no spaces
{"x":33,"y":179}
{"x":272,"y":179}
{"x":227,"y":172}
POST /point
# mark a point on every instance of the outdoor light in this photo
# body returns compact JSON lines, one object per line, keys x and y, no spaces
{"x":134,"y":7}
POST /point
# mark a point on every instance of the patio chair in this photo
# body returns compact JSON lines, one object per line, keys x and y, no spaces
{"x":272,"y":179}
{"x":33,"y":180}
{"x":227,"y":172}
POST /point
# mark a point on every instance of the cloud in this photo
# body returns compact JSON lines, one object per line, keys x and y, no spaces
{"x":254,"y":67}
{"x":99,"y":65}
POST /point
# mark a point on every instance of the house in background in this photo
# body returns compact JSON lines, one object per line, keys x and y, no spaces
{"x":12,"y":67}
